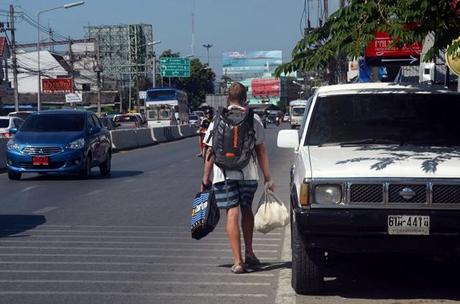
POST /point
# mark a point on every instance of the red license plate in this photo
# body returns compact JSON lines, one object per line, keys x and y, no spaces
{"x":40,"y":160}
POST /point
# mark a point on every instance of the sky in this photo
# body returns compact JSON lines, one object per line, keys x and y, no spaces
{"x":236,"y":25}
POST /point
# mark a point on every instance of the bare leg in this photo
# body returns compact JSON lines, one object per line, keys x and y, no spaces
{"x":233,"y":234}
{"x":247,"y":224}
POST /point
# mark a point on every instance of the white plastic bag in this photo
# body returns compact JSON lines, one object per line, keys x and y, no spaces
{"x":271,"y":213}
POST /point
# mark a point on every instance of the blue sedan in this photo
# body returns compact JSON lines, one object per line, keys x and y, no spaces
{"x":63,"y":141}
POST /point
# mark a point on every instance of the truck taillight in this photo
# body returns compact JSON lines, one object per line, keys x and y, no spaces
{"x":304,"y":199}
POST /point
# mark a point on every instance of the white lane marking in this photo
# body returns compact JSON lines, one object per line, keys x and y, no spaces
{"x":141,"y":294}
{"x":29,"y":188}
{"x":169,"y":264}
{"x":131,"y":237}
{"x":45,"y":210}
{"x":128,"y":243}
{"x":125,"y":249}
{"x":126,"y":256}
{"x":284,"y":292}
{"x":166,"y":273}
{"x":95,"y":192}
{"x":114,"y":231}
{"x":135,"y":282}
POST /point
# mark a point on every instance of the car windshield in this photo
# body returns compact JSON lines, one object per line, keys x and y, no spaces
{"x":4,"y":123}
{"x":161,"y":95}
{"x":125,"y":119}
{"x":298,"y":111}
{"x":404,"y":119}
{"x":54,"y":123}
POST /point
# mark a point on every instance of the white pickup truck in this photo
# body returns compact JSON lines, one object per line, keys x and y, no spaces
{"x":377,"y":169}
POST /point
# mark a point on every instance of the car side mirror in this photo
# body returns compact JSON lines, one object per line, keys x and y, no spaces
{"x":13,"y":130}
{"x":288,"y":139}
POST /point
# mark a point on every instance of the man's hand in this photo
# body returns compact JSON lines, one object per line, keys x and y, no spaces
{"x":270,"y":185}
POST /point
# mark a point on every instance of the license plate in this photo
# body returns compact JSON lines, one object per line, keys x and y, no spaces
{"x":408,"y":225}
{"x":40,"y":160}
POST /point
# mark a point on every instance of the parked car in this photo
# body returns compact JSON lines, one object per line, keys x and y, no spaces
{"x":376,"y":170}
{"x":127,"y":121}
{"x":64,"y":141}
{"x":21,"y":114}
{"x":8,"y":123}
{"x":194,"y":120}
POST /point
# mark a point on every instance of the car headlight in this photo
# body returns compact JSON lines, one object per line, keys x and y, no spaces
{"x":328,"y":194}
{"x":13,"y":146}
{"x":76,"y":144}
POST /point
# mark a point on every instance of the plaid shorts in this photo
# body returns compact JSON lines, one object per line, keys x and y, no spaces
{"x":235,"y":193}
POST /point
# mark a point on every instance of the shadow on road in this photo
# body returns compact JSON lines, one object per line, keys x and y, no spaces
{"x":15,"y":224}
{"x":115,"y":174}
{"x":264,"y":266}
{"x":395,"y":277}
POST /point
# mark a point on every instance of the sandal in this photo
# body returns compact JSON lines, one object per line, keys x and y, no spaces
{"x":251,"y":260}
{"x":238,"y":269}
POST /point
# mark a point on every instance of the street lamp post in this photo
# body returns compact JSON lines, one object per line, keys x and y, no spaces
{"x":65,"y":6}
{"x":207,"y":46}
{"x":154,"y":72}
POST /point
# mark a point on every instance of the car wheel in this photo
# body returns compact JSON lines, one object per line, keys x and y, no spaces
{"x":14,"y":175}
{"x":106,"y":166}
{"x":307,"y":266}
{"x":86,"y":171}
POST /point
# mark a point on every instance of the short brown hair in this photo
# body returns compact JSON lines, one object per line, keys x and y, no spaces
{"x":237,"y":93}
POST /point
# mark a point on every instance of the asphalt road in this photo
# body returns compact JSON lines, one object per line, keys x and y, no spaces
{"x":126,"y":239}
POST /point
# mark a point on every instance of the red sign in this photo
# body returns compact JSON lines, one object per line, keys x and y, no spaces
{"x":265,"y":87}
{"x":58,"y":85}
{"x":380,"y":47}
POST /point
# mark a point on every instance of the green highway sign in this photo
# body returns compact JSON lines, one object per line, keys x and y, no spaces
{"x":175,"y":67}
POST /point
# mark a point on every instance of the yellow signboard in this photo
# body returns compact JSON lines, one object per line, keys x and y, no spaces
{"x":453,"y":64}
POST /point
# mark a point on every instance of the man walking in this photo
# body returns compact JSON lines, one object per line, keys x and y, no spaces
{"x":236,"y":144}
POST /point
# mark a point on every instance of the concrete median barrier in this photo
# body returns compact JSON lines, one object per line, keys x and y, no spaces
{"x":188,"y":131}
{"x":175,"y":132}
{"x":160,"y":135}
{"x":3,"y":142}
{"x":124,"y":139}
{"x":144,"y":137}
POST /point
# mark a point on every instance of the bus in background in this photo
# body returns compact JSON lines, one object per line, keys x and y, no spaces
{"x":163,"y":104}
{"x":296,"y":110}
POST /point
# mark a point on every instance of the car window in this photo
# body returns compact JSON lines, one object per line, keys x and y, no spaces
{"x":304,"y":118}
{"x":54,"y":123}
{"x":4,"y":123}
{"x":413,"y":119}
{"x":126,"y":118}
{"x":97,"y":122}
{"x":18,"y":123}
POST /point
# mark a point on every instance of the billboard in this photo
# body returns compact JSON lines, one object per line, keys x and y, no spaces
{"x":265,"y":87}
{"x":242,"y":65}
{"x":256,"y":67}
{"x":57,"y":85}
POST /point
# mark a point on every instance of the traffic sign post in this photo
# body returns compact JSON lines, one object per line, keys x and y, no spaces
{"x":174,"y":67}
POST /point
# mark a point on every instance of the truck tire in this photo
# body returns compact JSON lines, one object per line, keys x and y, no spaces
{"x":307,"y":265}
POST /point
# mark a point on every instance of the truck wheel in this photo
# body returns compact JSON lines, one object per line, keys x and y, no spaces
{"x":307,"y":266}
{"x":14,"y":175}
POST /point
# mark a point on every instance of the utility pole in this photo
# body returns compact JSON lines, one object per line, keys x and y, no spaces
{"x":98,"y":70}
{"x":326,"y":9}
{"x":15,"y":63}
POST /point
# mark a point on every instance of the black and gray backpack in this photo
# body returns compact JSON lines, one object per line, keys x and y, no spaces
{"x":233,"y":138}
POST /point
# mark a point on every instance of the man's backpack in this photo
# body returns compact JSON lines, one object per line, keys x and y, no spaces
{"x":233,"y":138}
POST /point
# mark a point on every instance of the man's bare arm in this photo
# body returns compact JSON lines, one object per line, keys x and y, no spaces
{"x":262,"y":158}
{"x":208,"y":164}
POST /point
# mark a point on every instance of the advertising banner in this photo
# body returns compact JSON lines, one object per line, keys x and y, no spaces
{"x":251,"y":64}
{"x":57,"y":85}
{"x":379,"y":52}
{"x":265,"y":87}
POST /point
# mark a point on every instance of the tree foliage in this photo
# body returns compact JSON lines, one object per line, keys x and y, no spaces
{"x":200,"y":82}
{"x":349,"y":30}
